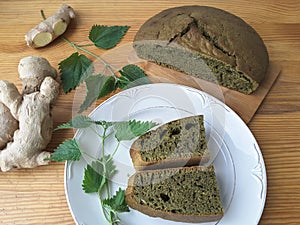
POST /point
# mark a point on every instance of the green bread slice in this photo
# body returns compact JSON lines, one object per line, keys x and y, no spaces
{"x":187,"y":194}
{"x":174,"y":144}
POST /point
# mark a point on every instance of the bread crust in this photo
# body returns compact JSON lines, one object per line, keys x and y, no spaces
{"x":163,"y":214}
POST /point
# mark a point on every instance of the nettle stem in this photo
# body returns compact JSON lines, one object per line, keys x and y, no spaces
{"x":85,"y":45}
{"x":72,"y":44}
{"x":114,"y":152}
{"x":104,"y":183}
{"x":81,"y":48}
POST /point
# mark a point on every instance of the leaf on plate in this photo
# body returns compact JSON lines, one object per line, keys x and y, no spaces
{"x":131,"y":76}
{"x":97,"y":173}
{"x":77,"y":122}
{"x":127,"y":130}
{"x":74,"y":70}
{"x":97,"y":87}
{"x":103,"y":123}
{"x":82,"y":121}
{"x":116,"y":203}
{"x":107,"y":37}
{"x":110,"y":168}
{"x":93,"y":180}
{"x":68,"y":150}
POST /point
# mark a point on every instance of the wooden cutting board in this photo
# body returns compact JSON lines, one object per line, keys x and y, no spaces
{"x":244,"y":105}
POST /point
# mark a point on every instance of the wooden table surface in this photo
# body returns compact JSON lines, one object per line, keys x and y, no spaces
{"x":37,"y":196}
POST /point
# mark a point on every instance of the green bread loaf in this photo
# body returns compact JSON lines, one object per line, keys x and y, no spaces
{"x":177,"y":143}
{"x":207,"y":43}
{"x":188,"y":194}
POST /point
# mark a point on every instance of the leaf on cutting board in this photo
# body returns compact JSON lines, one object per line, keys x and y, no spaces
{"x":107,"y":37}
{"x":74,"y":70}
{"x":131,"y":76}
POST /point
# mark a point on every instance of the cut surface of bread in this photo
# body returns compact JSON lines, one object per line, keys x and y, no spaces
{"x":187,"y":194}
{"x":207,"y":43}
{"x":174,"y":144}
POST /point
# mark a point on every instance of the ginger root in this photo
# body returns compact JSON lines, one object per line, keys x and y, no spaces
{"x":33,"y":113}
{"x":8,"y":126}
{"x":49,"y":29}
{"x":32,"y":71}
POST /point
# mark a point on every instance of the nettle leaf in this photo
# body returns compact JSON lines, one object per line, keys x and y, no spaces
{"x":131,"y":76}
{"x":107,"y":37}
{"x":105,"y":166}
{"x":127,"y":130}
{"x":74,"y":70}
{"x":81,"y":122}
{"x":93,"y":180}
{"x":97,"y":173}
{"x":68,"y":150}
{"x":97,"y":87}
{"x":103,"y":123}
{"x":116,"y":203}
{"x":110,"y":167}
{"x":77,"y":123}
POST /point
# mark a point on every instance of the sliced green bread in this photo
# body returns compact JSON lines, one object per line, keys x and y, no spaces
{"x":175,"y":144}
{"x":207,"y":43}
{"x":169,"y":182}
{"x":186,"y":194}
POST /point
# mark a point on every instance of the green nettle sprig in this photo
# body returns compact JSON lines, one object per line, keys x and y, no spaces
{"x":78,"y":68}
{"x":98,"y":174}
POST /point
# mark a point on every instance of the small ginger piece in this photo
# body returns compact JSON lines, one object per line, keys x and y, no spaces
{"x":51,"y":28}
{"x":35,"y":125}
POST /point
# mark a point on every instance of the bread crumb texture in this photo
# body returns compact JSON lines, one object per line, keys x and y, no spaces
{"x":179,"y":138}
{"x":179,"y":191}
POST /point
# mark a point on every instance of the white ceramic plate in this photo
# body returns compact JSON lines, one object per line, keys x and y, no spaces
{"x":236,"y":155}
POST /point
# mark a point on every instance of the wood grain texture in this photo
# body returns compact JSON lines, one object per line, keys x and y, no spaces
{"x":37,"y":196}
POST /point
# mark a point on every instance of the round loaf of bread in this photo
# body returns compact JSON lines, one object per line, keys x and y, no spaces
{"x":207,"y":43}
